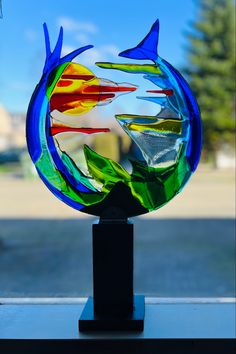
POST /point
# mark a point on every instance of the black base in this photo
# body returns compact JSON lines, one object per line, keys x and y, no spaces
{"x":134,"y":322}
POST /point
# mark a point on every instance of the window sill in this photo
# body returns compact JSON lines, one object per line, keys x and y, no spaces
{"x":174,"y":324}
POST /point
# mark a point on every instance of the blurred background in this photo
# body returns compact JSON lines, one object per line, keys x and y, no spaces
{"x":187,"y":248}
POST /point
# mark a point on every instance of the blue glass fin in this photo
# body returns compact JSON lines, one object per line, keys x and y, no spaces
{"x":147,"y":49}
{"x":53,"y":58}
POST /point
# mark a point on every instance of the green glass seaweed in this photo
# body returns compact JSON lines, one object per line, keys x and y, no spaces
{"x":151,"y":186}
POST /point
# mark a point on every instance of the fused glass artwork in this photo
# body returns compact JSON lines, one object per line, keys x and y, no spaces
{"x":165,"y":147}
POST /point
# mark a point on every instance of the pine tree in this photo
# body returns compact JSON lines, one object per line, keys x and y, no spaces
{"x":211,"y":71}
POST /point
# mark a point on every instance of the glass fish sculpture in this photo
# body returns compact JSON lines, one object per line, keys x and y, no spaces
{"x":169,"y":143}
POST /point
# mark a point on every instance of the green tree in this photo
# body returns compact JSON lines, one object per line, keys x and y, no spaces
{"x":211,"y":71}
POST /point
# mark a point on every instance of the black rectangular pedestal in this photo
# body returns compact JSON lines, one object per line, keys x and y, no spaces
{"x":113,"y":306}
{"x":89,"y":321}
{"x":113,"y":268}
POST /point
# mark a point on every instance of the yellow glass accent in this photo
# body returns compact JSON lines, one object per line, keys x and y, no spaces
{"x":135,"y":116}
{"x":132,"y":68}
{"x":163,"y":126}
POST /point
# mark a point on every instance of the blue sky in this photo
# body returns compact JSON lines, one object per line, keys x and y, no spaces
{"x":110,"y":26}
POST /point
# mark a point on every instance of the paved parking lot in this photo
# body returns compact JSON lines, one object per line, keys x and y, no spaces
{"x":209,"y":193}
{"x":173,"y":257}
{"x":185,"y":249}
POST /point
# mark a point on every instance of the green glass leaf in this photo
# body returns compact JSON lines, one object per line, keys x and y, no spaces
{"x":104,"y":170}
{"x":75,"y":172}
{"x":56,"y":179}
